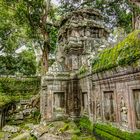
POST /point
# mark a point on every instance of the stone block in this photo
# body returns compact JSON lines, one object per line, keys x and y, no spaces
{"x":10,"y":128}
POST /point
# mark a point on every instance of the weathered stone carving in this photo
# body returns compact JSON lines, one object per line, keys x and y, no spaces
{"x":81,"y":34}
{"x":98,"y":109}
{"x":123,"y":111}
{"x":109,"y":106}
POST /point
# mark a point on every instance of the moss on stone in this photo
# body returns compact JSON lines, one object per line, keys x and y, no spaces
{"x":80,"y":129}
{"x":4,"y":100}
{"x":85,"y":125}
{"x":13,"y":86}
{"x":65,"y":128}
{"x":75,"y":137}
{"x":14,"y":89}
{"x":83,"y":69}
{"x":109,"y":132}
{"x":2,"y":135}
{"x":32,"y":138}
{"x":125,"y":53}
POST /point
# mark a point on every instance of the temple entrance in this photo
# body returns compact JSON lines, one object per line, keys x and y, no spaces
{"x":136,"y":96}
{"x":59,"y":102}
{"x":109,"y":113}
{"x":84,"y":102}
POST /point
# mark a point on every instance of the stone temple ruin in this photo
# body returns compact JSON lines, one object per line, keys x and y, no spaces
{"x":109,"y":96}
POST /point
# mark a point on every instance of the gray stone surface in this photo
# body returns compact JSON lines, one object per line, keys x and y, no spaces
{"x":19,"y":116}
{"x":53,"y":137}
{"x":10,"y":128}
{"x":24,"y":136}
{"x":27,"y":111}
{"x":39,"y":130}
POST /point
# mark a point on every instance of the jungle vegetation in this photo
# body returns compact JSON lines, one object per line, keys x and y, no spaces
{"x":28,"y":29}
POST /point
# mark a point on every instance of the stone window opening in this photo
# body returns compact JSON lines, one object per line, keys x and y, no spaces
{"x":59,"y":101}
{"x":136,"y":100}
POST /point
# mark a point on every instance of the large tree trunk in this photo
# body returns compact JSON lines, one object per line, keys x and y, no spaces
{"x":46,"y":46}
{"x":136,"y":16}
{"x":45,"y":60}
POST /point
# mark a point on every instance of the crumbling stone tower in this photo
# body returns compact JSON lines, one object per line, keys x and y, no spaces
{"x":81,"y":36}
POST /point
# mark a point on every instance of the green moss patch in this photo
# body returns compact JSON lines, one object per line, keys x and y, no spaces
{"x":4,"y":100}
{"x":125,"y":53}
{"x":13,"y":86}
{"x":85,"y":125}
{"x":83,"y":69}
{"x":79,"y":129}
{"x":109,"y":132}
{"x":14,"y":89}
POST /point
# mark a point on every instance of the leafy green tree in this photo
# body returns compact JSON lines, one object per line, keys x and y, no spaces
{"x":26,"y":21}
{"x":23,"y":63}
{"x":12,"y":37}
{"x":26,"y":63}
{"x":36,"y":15}
{"x":7,"y":65}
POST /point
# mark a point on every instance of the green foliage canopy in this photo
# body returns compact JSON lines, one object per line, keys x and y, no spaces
{"x":27,"y":23}
{"x":13,"y":37}
{"x":14,"y":89}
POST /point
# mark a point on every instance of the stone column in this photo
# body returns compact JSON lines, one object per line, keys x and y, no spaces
{"x":43,"y":100}
{"x":75,"y":96}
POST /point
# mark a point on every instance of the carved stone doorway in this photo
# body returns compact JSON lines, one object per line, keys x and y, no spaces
{"x":136,"y":96}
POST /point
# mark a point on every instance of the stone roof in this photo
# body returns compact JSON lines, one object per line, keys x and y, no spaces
{"x":82,"y":23}
{"x":90,"y":11}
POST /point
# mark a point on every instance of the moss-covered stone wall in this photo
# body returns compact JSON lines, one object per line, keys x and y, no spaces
{"x":125,"y":53}
{"x":13,"y":89}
